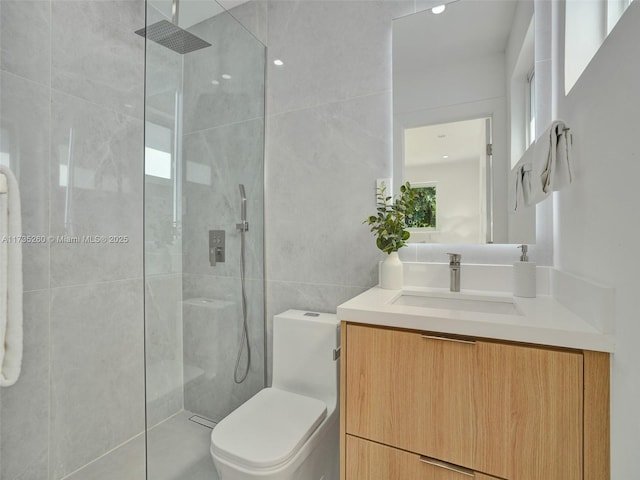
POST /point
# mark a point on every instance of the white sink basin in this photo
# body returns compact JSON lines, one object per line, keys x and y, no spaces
{"x":458,"y":301}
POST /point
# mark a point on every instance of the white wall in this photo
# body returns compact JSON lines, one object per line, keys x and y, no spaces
{"x":597,"y":222}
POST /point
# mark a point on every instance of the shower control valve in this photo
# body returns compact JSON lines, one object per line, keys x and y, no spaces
{"x":216,"y":246}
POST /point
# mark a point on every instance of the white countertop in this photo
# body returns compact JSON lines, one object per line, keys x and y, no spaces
{"x":542,"y":320}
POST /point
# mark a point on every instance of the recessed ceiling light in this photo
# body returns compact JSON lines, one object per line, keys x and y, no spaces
{"x":278,"y":62}
{"x":215,"y":82}
{"x":445,"y":156}
{"x":438,"y":10}
{"x":226,"y":76}
{"x":441,"y":136}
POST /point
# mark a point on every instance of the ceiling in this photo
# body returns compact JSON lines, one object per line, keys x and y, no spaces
{"x":192,"y":12}
{"x":459,"y":141}
{"x":466,"y":29}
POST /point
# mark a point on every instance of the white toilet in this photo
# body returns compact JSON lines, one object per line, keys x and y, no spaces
{"x":291,"y":430}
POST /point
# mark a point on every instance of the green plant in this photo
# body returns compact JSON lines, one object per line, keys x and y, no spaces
{"x":424,"y":209}
{"x":389,"y":225}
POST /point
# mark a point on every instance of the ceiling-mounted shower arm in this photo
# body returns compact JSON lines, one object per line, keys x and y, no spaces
{"x":175,"y":12}
{"x":244,"y":225}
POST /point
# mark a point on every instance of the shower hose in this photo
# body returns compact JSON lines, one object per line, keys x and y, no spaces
{"x":244,"y":342}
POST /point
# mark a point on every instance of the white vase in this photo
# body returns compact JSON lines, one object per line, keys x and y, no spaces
{"x":391,"y":272}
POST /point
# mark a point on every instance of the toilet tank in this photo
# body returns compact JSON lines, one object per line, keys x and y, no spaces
{"x":303,"y":346}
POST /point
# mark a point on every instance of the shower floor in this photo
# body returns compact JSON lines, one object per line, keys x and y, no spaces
{"x":178,"y":450}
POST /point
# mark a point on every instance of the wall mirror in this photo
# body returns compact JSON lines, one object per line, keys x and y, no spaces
{"x":456,"y":92}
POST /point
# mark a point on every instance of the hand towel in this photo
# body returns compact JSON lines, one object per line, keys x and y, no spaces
{"x":520,"y":182}
{"x":10,"y":282}
{"x":552,"y":169}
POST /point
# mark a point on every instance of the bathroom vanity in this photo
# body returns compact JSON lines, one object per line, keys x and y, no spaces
{"x":446,"y":393}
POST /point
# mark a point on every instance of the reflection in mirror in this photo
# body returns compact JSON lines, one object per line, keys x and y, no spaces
{"x":452,"y":77}
{"x":448,"y":162}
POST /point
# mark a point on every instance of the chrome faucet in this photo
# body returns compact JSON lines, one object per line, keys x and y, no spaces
{"x":454,"y":269}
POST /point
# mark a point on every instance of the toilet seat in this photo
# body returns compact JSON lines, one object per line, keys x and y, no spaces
{"x":268,"y":429}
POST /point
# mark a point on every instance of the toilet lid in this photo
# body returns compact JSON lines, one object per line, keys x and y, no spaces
{"x":268,"y":429}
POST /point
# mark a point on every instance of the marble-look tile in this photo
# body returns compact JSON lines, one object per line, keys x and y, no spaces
{"x":97,"y":371}
{"x":105,"y":197}
{"x":331,"y":51}
{"x":163,"y":240}
{"x":25,"y":28}
{"x":223,"y":83}
{"x":212,"y":316}
{"x":163,"y":77}
{"x":126,"y":462}
{"x":253,"y":16}
{"x":24,"y":413}
{"x":232,"y":154}
{"x":25,"y":123}
{"x":163,"y":336}
{"x":323,"y":163}
{"x":96,"y":55}
{"x":179,"y":449}
{"x":281,"y":296}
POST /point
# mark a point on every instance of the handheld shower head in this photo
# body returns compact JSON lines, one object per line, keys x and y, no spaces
{"x":243,"y":203}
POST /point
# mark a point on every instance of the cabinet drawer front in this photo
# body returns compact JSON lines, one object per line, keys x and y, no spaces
{"x":411,"y":392}
{"x":529,"y":412}
{"x":372,"y":461}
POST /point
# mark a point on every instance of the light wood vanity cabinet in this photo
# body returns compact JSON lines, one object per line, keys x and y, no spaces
{"x":422,"y":406}
{"x":373,"y":461}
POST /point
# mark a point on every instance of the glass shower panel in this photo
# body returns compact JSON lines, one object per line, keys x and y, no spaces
{"x":204,"y":137}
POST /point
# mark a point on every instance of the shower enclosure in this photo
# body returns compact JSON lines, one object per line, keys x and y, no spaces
{"x":129,"y":150}
{"x":204,"y":278}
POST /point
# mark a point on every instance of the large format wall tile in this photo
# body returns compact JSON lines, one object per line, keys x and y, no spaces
{"x":232,"y":154}
{"x":253,"y":16}
{"x":282,"y":296}
{"x":163,"y":337}
{"x":96,"y":55}
{"x":212,"y":315}
{"x":105,"y":197}
{"x":331,"y":50}
{"x":97,"y":371}
{"x":321,"y":176}
{"x":223,"y":83}
{"x":24,"y":415}
{"x":25,"y":123}
{"x":126,"y":462}
{"x":25,"y":28}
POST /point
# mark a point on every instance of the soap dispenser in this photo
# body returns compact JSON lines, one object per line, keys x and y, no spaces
{"x":524,"y":276}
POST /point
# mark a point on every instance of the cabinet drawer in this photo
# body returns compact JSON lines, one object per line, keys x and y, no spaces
{"x":372,"y":461}
{"x":512,"y":411}
{"x":411,"y":391}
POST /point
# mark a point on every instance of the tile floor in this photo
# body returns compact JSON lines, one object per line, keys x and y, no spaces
{"x":178,"y":450}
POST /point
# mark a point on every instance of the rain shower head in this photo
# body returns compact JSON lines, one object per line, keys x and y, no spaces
{"x":173,"y":37}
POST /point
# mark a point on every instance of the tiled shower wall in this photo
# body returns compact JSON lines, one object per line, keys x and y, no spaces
{"x":71,"y":76}
{"x":222,"y":147}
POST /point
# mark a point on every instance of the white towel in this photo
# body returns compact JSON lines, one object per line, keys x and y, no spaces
{"x":520,"y":182}
{"x":10,"y":281}
{"x":552,"y":169}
